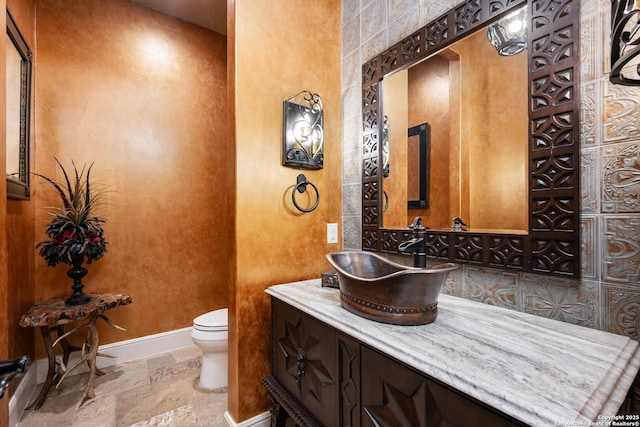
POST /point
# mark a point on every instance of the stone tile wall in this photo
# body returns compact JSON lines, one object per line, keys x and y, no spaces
{"x":608,"y":295}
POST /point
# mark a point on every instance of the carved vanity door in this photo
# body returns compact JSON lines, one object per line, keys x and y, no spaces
{"x":305,"y":361}
{"x":393,"y":394}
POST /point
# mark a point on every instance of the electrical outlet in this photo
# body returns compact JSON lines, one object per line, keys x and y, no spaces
{"x":332,"y":233}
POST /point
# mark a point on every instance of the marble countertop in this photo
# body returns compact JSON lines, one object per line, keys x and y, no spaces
{"x":537,"y":370}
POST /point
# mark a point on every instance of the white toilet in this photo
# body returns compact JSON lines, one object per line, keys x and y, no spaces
{"x":210,"y":334}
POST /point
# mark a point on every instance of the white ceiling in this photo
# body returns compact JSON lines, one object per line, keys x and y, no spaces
{"x":210,"y":14}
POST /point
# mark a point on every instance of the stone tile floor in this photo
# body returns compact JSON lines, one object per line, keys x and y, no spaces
{"x":158,"y":391}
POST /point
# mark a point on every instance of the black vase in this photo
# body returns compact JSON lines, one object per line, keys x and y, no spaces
{"x":77,"y":272}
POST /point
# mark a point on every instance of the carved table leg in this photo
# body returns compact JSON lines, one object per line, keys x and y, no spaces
{"x":67,"y":348}
{"x":92,"y":343}
{"x":51,"y":372}
{"x":89,"y":353}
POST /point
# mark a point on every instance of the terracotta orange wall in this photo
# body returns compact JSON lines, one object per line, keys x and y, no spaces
{"x":497,"y":173}
{"x":279,"y":52}
{"x":435,"y":100}
{"x":429,"y":86}
{"x":16,"y":341}
{"x":143,"y":96}
{"x":477,"y":160}
{"x":395,"y":105}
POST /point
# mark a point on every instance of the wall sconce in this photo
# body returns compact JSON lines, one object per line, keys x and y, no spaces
{"x":385,"y":158}
{"x":509,"y":33}
{"x":303,"y":137}
{"x":385,"y":146}
{"x":625,"y":41}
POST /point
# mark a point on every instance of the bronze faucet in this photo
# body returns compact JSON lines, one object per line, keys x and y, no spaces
{"x":458,"y":223}
{"x":417,"y":245}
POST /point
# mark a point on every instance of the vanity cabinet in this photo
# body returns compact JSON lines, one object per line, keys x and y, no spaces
{"x":315,"y":370}
{"x":477,"y":364}
{"x":321,"y":376}
{"x":393,"y":394}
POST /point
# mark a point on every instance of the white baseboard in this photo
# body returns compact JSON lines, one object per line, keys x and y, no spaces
{"x":120,"y":352}
{"x":260,"y":420}
{"x":20,"y":399}
{"x":127,"y":351}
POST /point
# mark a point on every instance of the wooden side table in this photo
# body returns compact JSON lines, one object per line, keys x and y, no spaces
{"x":52,"y":315}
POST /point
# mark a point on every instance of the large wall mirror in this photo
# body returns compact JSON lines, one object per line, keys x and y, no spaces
{"x":19,"y":59}
{"x":504,"y":149}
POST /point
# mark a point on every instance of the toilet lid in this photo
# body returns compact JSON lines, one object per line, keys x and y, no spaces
{"x":213,"y":320}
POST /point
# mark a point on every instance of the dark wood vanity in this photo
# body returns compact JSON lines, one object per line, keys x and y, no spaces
{"x":476,"y":365}
{"x":323,"y":377}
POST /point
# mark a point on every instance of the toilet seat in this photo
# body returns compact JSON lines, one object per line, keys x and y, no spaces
{"x":214,"y":321}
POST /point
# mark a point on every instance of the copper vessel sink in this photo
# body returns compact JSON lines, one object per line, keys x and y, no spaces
{"x":378,"y":289}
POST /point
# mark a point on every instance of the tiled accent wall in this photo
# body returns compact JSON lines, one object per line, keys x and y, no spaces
{"x":608,"y":295}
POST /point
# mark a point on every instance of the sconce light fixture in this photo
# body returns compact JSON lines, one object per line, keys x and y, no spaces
{"x":385,"y":146}
{"x":625,"y":43}
{"x":385,"y":157}
{"x":509,"y":33}
{"x":303,"y":137}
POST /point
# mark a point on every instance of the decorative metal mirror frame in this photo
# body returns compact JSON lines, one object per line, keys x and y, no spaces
{"x":552,"y":245}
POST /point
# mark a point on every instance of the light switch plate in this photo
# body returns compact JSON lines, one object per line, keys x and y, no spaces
{"x":332,"y":233}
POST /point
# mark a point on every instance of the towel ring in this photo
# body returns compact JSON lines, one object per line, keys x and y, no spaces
{"x":301,"y":187}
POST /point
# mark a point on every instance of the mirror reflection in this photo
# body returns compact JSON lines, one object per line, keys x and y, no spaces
{"x":418,"y":166}
{"x":14,"y":61}
{"x":18,"y":100}
{"x":476,"y":103}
